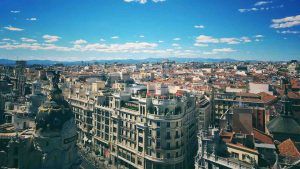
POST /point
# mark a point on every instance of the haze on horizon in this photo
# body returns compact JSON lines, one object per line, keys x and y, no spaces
{"x":136,"y":29}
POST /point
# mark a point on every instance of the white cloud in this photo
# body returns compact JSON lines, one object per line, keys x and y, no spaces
{"x":139,"y":1}
{"x":83,"y":46}
{"x":115,"y":37}
{"x":34,"y":46}
{"x":288,"y":32}
{"x":160,"y":41}
{"x":230,"y":41}
{"x":219,"y":50}
{"x":141,"y":36}
{"x":260,"y":3}
{"x":156,"y":1}
{"x":11,"y":28}
{"x":78,"y":45}
{"x":176,"y":39}
{"x":31,"y":19}
{"x":125,"y":48}
{"x":28,"y":40}
{"x":51,"y":38}
{"x":199,"y":26}
{"x":248,"y":10}
{"x":15,"y":11}
{"x":246,"y":39}
{"x":227,"y":50}
{"x":200,"y":44}
{"x":204,"y":40}
{"x":175,"y":44}
{"x":102,"y":40}
{"x":286,"y":22}
{"x":79,"y":42}
{"x":258,"y":36}
{"x":257,"y":8}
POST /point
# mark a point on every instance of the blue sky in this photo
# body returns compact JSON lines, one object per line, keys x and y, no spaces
{"x":122,"y":29}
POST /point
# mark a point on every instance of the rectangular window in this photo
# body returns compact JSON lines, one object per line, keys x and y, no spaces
{"x":140,"y":139}
{"x":158,"y":155}
{"x":158,"y":144}
{"x":158,"y":134}
{"x":140,"y":149}
{"x":168,"y":135}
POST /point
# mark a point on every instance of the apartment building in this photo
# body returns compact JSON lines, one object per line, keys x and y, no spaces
{"x":135,"y":131}
{"x":261,"y":105}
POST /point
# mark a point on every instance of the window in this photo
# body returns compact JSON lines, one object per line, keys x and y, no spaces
{"x":158,"y":155}
{"x":158,"y":134}
{"x":168,"y":135}
{"x":168,"y":145}
{"x":168,"y":155}
{"x":235,"y":155}
{"x":177,"y":134}
{"x":158,"y":124}
{"x":140,"y":149}
{"x":140,"y":139}
{"x":158,"y":144}
{"x":139,"y":161}
{"x":168,"y":124}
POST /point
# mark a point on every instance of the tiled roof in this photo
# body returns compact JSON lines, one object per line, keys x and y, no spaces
{"x":295,"y":84}
{"x":262,"y":137}
{"x":266,"y":98}
{"x":288,"y":148}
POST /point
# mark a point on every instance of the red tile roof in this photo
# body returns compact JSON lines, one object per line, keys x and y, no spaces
{"x":288,"y":148}
{"x":262,"y":137}
{"x":295,"y":84}
{"x":266,"y":98}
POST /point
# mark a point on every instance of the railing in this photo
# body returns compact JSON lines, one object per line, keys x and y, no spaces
{"x":230,"y":163}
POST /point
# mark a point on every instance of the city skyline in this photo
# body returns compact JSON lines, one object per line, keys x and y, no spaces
{"x":139,"y":29}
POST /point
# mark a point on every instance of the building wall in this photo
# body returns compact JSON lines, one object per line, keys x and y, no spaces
{"x":144,"y":137}
{"x":243,"y":155}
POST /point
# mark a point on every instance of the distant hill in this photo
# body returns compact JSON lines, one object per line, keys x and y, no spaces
{"x":125,"y":61}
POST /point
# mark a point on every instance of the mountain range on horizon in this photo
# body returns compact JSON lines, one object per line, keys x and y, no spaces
{"x":124,"y":61}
